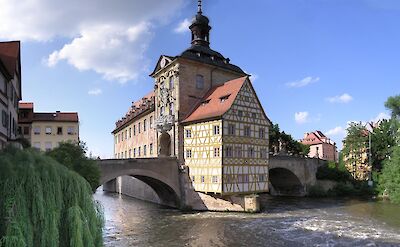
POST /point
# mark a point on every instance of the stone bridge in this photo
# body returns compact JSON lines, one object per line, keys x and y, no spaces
{"x":291,"y":175}
{"x":161,"y":174}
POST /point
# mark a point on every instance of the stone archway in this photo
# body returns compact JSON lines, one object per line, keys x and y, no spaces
{"x":285,"y":183}
{"x":164,"y":144}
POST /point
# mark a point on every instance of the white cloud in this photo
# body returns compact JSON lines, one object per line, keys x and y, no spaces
{"x":344,"y":98}
{"x":112,"y":43}
{"x":303,"y":82}
{"x":337,"y":131}
{"x":183,"y":26}
{"x":301,"y":117}
{"x":96,"y":91}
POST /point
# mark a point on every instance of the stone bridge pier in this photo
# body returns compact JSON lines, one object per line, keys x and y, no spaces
{"x":291,"y":175}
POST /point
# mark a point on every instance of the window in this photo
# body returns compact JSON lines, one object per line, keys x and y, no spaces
{"x":36,"y":145}
{"x":246,"y":98}
{"x":171,"y":82}
{"x":134,"y":130}
{"x":126,"y":154}
{"x":3,"y":84}
{"x":263,"y":153}
{"x":231,"y":129}
{"x":151,"y":122}
{"x":262,"y":177}
{"x":48,"y":146}
{"x":214,"y":179}
{"x":130,"y":132}
{"x":144,"y":150}
{"x":162,"y":110}
{"x":199,"y":82}
{"x":171,"y":108}
{"x":216,"y":152}
{"x":48,"y":130}
{"x":240,"y":113}
{"x":145,"y":125}
{"x":134,"y":152}
{"x":247,"y":131}
{"x":188,"y":133}
{"x":250,"y":152}
{"x":216,"y":129}
{"x":224,"y":98}
{"x":238,"y":152}
{"x":188,"y":153}
{"x":151,"y":148}
{"x":130,"y":153}
{"x":70,"y":130}
{"x":261,"y":133}
{"x":229,"y":151}
{"x":138,"y":127}
{"x":59,"y":130}
{"x":138,"y":151}
{"x":4,"y":119}
{"x":126,"y":134}
{"x":202,"y":179}
{"x":122,"y":136}
{"x":254,"y":116}
{"x":26,"y":130}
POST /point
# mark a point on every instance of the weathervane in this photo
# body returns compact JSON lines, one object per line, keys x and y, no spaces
{"x":199,"y":7}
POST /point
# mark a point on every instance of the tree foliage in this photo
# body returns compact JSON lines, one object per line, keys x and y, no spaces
{"x":389,"y":180}
{"x":291,"y":145}
{"x":42,"y":203}
{"x":383,"y":139}
{"x":73,"y":156}
{"x":393,"y":104}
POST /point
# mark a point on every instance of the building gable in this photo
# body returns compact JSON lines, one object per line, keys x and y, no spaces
{"x":248,"y":104}
{"x":161,"y":63}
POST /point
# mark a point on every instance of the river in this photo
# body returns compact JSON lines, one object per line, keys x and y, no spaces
{"x":282,"y":222}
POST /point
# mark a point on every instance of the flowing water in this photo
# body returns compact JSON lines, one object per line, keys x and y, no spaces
{"x":282,"y":222}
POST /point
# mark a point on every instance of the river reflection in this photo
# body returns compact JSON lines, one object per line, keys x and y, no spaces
{"x":283,"y":222}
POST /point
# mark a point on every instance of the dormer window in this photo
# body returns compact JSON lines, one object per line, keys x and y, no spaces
{"x":224,"y":98}
{"x":205,"y":102}
{"x":199,"y":81}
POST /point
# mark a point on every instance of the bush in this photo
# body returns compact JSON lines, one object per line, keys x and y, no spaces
{"x":330,"y":172}
{"x":42,"y":203}
{"x":342,"y":189}
{"x":73,"y":156}
{"x":316,"y":191}
{"x":389,"y":180}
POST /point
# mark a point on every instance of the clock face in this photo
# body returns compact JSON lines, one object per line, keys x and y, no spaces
{"x":163,"y":62}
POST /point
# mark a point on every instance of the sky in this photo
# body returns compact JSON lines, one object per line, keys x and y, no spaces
{"x":315,"y":64}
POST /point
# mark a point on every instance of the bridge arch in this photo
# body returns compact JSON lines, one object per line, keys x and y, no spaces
{"x":162,"y":175}
{"x":284,"y":182}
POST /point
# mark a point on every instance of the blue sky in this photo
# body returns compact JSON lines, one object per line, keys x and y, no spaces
{"x":316,"y":64}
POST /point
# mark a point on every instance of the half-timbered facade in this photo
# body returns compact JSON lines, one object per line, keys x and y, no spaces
{"x":226,"y":141}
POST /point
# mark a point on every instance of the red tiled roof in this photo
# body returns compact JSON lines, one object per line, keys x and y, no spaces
{"x":25,"y":105}
{"x":9,"y":55}
{"x":312,"y":139}
{"x":136,"y":109}
{"x":211,"y":105}
{"x":56,"y":116}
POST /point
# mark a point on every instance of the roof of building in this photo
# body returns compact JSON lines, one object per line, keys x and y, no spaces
{"x":9,"y":55}
{"x":25,"y":105}
{"x":56,"y":116}
{"x":136,"y":110}
{"x":217,"y":101}
{"x":315,"y":138}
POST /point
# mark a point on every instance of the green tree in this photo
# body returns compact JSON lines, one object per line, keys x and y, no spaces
{"x":355,"y":151}
{"x":292,"y":146}
{"x":393,"y":104}
{"x":73,"y":156}
{"x":383,"y":139}
{"x":274,"y":135}
{"x":389,"y":180}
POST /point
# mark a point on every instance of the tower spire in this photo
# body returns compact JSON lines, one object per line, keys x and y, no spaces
{"x":200,"y":28}
{"x":199,"y":11}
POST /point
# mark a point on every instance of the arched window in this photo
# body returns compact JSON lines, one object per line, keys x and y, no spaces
{"x":199,"y":82}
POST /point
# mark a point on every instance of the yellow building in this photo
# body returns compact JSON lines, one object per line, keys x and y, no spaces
{"x":46,"y":130}
{"x":226,"y":141}
{"x":205,"y":113}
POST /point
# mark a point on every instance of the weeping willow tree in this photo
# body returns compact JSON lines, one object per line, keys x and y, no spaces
{"x":43,"y":203}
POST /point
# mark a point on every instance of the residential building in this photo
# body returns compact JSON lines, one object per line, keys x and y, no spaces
{"x":320,"y":146}
{"x":10,"y":90}
{"x":206,"y":113}
{"x":45,"y":130}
